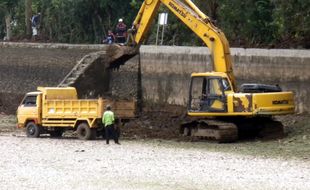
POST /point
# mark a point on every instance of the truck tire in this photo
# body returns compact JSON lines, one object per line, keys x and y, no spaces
{"x":32,"y":130}
{"x":84,"y":132}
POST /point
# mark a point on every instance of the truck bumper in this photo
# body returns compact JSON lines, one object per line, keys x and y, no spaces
{"x":19,"y":125}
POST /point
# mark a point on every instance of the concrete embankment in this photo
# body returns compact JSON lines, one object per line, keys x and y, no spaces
{"x":163,"y":74}
{"x":166,"y":71}
{"x":24,"y":66}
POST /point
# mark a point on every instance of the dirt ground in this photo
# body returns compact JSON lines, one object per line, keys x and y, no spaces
{"x":147,"y":161}
{"x":164,"y":125}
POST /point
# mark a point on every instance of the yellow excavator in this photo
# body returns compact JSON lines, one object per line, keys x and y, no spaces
{"x":216,"y":107}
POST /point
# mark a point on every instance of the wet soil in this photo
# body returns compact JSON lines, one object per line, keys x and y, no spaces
{"x":162,"y":122}
{"x":164,"y":125}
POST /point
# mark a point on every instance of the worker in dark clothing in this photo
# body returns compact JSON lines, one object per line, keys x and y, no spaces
{"x":108,"y":121}
{"x":35,"y":22}
{"x":121,"y":31}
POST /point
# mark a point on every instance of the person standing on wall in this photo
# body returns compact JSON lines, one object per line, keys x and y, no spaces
{"x":35,"y":22}
{"x":108,"y":121}
{"x":121,"y":31}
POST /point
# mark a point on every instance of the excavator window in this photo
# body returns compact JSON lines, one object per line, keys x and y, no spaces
{"x":207,"y":94}
{"x":215,"y":88}
{"x":226,"y":84}
{"x":198,"y":90}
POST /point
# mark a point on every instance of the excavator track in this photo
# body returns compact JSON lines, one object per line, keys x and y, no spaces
{"x":222,"y":132}
{"x":225,"y":131}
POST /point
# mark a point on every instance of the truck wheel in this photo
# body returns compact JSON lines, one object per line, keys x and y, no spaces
{"x":84,"y":132}
{"x":32,"y":130}
{"x":56,"y":133}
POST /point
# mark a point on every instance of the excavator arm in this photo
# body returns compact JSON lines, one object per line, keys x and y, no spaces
{"x":197,"y":21}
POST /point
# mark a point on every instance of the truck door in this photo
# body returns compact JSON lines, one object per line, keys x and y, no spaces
{"x":29,"y":109}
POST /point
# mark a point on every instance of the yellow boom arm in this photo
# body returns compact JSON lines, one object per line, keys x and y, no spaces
{"x":198,"y":22}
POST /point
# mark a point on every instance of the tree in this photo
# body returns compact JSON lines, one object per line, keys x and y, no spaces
{"x":247,"y":23}
{"x":28,"y":15}
{"x":292,"y":18}
{"x":252,"y":23}
{"x":8,"y":7}
{"x":209,"y":7}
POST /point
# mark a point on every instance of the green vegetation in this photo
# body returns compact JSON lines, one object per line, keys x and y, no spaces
{"x":252,"y":23}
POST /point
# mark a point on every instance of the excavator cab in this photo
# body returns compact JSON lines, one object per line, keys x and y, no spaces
{"x":208,"y":93}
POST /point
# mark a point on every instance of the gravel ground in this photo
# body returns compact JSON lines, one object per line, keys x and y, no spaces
{"x":68,"y":163}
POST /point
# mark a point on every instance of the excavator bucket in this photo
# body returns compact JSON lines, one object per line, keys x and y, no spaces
{"x":85,"y":75}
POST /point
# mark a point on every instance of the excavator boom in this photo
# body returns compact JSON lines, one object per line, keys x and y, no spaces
{"x":198,"y":22}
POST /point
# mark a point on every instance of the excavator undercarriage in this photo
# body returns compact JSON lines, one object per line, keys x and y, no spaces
{"x":226,"y":130}
{"x":211,"y":129}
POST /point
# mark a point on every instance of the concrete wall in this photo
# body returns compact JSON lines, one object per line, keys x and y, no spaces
{"x":165,"y":71}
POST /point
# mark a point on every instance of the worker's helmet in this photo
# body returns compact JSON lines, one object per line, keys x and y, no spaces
{"x":108,"y":107}
{"x":120,"y":20}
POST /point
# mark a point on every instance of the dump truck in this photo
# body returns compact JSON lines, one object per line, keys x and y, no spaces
{"x":53,"y":110}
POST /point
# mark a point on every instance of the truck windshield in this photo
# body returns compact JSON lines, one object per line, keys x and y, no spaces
{"x":30,"y":101}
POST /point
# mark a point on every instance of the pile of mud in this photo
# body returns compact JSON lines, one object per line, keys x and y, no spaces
{"x":166,"y":125}
{"x":160,"y":122}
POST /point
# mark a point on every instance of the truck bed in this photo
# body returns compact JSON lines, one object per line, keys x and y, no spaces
{"x":90,"y":108}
